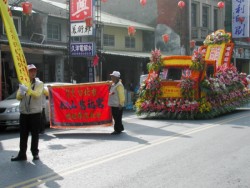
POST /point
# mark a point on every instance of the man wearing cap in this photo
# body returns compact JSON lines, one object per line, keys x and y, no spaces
{"x":30,"y":113}
{"x":116,"y":101}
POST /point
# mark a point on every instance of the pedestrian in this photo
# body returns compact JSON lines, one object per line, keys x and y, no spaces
{"x":30,"y":113}
{"x":116,"y":101}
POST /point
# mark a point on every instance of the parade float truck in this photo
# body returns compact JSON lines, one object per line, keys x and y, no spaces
{"x":201,"y":86}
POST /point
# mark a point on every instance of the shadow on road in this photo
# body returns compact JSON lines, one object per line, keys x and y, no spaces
{"x":25,"y":173}
{"x":133,"y":132}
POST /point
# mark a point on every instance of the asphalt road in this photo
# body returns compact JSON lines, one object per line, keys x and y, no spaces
{"x":149,"y":154}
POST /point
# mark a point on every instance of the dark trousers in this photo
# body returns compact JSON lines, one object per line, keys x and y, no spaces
{"x":117,"y":115}
{"x":29,"y":123}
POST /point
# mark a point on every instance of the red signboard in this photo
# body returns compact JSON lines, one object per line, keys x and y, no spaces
{"x":80,"y":105}
{"x":80,"y":10}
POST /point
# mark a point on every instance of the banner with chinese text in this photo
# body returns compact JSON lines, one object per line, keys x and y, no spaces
{"x":240,"y":18}
{"x":15,"y":46}
{"x":80,"y":105}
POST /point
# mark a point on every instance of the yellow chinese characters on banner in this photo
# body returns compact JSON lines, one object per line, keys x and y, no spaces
{"x":170,"y":89}
{"x":15,"y":46}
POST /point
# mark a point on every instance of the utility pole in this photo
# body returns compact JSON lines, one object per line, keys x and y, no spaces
{"x":98,"y":36}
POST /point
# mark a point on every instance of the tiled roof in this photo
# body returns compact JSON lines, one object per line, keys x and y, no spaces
{"x":28,"y":43}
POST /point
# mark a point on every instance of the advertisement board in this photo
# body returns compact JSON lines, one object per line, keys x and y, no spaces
{"x":86,"y":49}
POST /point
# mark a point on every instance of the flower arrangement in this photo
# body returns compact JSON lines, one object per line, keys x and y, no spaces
{"x":187,"y":87}
{"x":155,"y":61}
{"x":204,"y":106}
{"x":152,"y":86}
{"x":227,"y":79}
{"x":222,"y":93}
{"x":149,"y":92}
{"x":217,"y":38}
{"x":198,"y":60}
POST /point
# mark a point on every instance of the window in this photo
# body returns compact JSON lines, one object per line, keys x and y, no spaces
{"x":194,"y":15}
{"x":205,"y":16}
{"x":210,"y":70}
{"x":129,"y":42}
{"x":108,"y":40}
{"x":54,"y":31}
{"x":17,"y":23}
{"x":174,"y":74}
{"x":76,"y":39}
{"x":216,"y":17}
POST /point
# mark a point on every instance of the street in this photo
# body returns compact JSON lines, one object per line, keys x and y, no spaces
{"x":150,"y":153}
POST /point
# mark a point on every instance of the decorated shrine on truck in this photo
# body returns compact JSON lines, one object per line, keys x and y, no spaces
{"x":204,"y":85}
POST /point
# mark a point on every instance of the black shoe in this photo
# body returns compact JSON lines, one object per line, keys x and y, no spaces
{"x":35,"y":157}
{"x":19,"y":158}
{"x":115,"y":132}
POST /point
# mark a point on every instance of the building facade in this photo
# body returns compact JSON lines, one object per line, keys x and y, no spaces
{"x":45,"y":40}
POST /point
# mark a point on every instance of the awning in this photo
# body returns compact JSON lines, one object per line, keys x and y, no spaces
{"x":125,"y":53}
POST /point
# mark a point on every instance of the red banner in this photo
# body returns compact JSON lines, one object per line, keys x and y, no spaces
{"x":80,"y":105}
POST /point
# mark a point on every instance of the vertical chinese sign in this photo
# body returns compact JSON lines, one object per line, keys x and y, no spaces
{"x":80,"y":12}
{"x":80,"y":106}
{"x":240,"y":16}
{"x":15,"y":46}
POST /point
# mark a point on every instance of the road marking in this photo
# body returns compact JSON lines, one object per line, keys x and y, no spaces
{"x":100,"y":160}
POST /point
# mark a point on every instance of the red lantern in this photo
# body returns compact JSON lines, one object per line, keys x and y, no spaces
{"x":27,"y":8}
{"x":131,"y":30}
{"x":95,"y":60}
{"x":221,"y":4}
{"x":181,"y":4}
{"x":192,"y":43}
{"x":165,"y":38}
{"x":104,"y":1}
{"x":89,"y":22}
{"x":143,"y":2}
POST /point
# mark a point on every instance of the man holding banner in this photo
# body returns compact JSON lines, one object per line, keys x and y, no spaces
{"x":30,"y":113}
{"x":116,"y":101}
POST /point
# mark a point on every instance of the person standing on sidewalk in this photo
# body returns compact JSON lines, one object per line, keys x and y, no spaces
{"x":30,"y":114}
{"x":116,"y":101}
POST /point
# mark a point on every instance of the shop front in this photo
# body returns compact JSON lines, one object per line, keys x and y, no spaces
{"x":51,"y":62}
